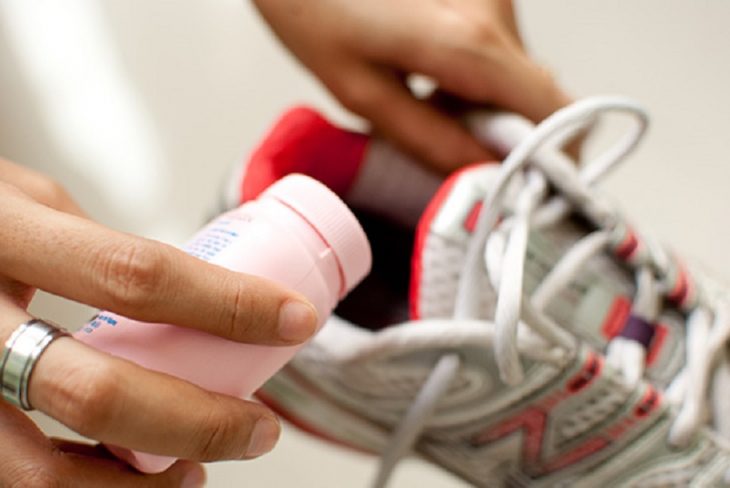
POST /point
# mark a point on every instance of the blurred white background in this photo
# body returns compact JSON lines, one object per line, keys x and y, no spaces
{"x":139,"y":107}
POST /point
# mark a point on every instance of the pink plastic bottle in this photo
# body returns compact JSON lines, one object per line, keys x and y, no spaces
{"x":297,"y":233}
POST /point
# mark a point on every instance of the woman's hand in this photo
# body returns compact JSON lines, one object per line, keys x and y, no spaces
{"x":46,"y":243}
{"x":363,"y":52}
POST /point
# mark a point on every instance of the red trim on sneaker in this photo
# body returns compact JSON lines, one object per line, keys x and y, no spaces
{"x":471,"y":220}
{"x":629,"y":245}
{"x":648,"y":403}
{"x":534,"y":421}
{"x":302,"y":141}
{"x":660,"y":337}
{"x":681,"y":289}
{"x":616,"y":317}
{"x":590,"y":371}
{"x":422,"y":230}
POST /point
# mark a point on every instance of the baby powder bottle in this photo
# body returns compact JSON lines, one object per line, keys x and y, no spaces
{"x":297,"y":233}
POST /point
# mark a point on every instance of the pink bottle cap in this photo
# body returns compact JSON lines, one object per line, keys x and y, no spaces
{"x":334,"y":222}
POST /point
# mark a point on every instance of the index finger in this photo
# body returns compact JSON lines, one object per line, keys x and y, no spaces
{"x":143,"y":279}
{"x":478,"y":62}
{"x":415,"y":125}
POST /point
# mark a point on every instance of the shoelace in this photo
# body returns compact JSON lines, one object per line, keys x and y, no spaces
{"x":501,"y":247}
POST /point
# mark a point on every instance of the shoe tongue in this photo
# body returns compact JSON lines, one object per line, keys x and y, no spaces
{"x":595,"y":305}
{"x":367,"y":172}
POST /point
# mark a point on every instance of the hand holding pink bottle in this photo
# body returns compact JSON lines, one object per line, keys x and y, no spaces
{"x":48,"y":244}
{"x":299,"y":234}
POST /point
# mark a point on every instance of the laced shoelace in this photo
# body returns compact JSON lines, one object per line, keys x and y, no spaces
{"x":500,"y":247}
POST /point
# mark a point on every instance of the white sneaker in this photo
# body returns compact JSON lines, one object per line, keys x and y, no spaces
{"x":531,"y":337}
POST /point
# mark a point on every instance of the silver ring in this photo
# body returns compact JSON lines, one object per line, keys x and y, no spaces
{"x":20,"y":355}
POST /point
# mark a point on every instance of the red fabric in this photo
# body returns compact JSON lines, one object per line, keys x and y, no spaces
{"x":302,"y":141}
{"x":660,"y":337}
{"x":473,"y":217}
{"x":616,"y":317}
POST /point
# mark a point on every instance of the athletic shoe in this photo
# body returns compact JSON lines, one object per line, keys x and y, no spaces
{"x":522,"y":333}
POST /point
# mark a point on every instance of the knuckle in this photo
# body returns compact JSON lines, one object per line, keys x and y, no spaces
{"x":50,"y":192}
{"x":546,"y":78}
{"x":356,"y":96}
{"x":86,"y":396}
{"x":218,"y":435}
{"x":132,"y":272}
{"x":481,"y":31}
{"x":245,"y":310}
{"x":475,"y":36}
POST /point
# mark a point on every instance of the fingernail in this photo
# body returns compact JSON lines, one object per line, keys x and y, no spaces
{"x":195,"y":478}
{"x":263,"y":438}
{"x":297,"y":321}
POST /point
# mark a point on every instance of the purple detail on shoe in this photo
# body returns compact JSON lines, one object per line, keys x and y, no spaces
{"x":639,"y":330}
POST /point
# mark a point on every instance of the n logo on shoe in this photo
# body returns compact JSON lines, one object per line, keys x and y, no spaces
{"x":542,"y":449}
{"x":471,"y":219}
